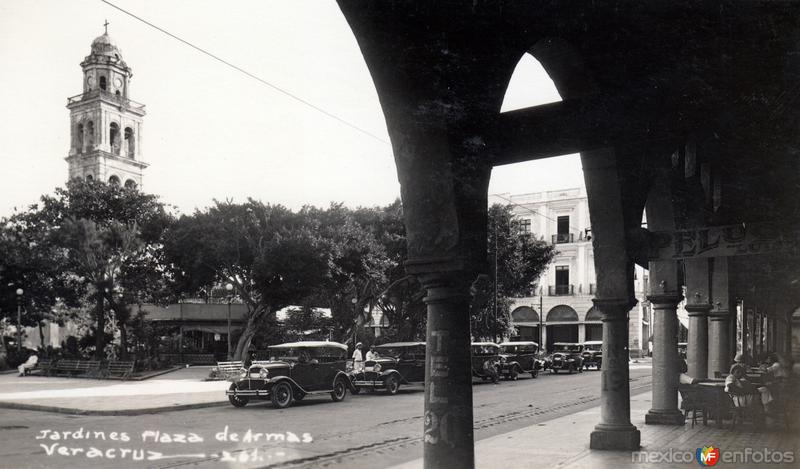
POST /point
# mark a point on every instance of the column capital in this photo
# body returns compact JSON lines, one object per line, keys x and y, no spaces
{"x":614,"y":308}
{"x":719,"y":315}
{"x":698,"y":310}
{"x":668,"y":299}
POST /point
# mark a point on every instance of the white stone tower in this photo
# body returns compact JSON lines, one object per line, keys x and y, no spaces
{"x":106,"y":126}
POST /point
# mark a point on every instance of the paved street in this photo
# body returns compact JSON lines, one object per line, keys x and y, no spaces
{"x":365,"y":431}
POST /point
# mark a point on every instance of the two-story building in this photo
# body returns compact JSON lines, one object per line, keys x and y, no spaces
{"x":562,"y":310}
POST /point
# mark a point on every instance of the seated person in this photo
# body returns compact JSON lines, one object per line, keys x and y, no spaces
{"x":740,"y":389}
{"x":29,"y":364}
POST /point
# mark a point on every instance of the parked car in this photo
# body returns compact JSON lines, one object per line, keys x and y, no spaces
{"x":519,"y":357}
{"x":486,"y":360}
{"x":592,"y":354}
{"x":294,"y":370}
{"x":566,"y":356}
{"x":682,"y":348}
{"x":397,"y":363}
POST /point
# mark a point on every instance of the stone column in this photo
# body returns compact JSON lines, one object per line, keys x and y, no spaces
{"x":698,"y":306}
{"x":666,"y":362}
{"x":615,"y":431}
{"x":719,"y":327}
{"x":448,"y":434}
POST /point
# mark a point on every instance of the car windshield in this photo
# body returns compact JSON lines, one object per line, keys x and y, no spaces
{"x":400,"y":353}
{"x":512,"y":349}
{"x":484,"y":350}
{"x":567,"y":348}
{"x":593,"y":347}
{"x":293,"y":354}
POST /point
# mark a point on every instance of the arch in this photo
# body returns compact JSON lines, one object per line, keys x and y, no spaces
{"x":524,"y":314}
{"x":565,"y":65}
{"x":130,"y":143}
{"x":89,"y":177}
{"x":79,"y":138}
{"x":103,"y":83}
{"x":562,"y":313}
{"x":90,"y":135}
{"x":594,"y":315}
{"x":113,"y":138}
{"x":114,"y":180}
{"x":130,"y":184}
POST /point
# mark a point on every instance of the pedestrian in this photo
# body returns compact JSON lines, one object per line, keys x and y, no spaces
{"x":29,"y":364}
{"x":358,"y":359}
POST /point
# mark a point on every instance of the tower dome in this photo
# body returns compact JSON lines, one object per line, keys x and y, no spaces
{"x":104,"y":45}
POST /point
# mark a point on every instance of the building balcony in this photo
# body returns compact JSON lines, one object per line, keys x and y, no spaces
{"x":561,"y":290}
{"x":562,"y":238}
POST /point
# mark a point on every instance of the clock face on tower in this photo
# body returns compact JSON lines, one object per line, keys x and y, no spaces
{"x":118,"y":82}
{"x":90,"y":81}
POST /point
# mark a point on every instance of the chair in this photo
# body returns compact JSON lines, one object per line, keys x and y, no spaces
{"x":745,"y":407}
{"x":692,"y":400}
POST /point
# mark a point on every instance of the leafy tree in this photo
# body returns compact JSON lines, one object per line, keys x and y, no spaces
{"x":516,"y":260}
{"x":272,"y":257}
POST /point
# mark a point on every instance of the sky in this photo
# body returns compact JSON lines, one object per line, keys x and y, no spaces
{"x":214,"y":133}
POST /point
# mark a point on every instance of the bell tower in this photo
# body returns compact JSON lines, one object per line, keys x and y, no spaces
{"x":106,"y":125}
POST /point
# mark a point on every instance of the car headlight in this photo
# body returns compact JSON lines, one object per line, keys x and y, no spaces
{"x":243,"y":373}
{"x":263,"y":373}
{"x":376,"y":368}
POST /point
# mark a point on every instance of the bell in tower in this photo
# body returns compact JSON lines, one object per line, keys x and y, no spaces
{"x":106,"y":125}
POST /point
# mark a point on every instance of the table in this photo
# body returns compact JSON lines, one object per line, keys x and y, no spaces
{"x":715,"y":390}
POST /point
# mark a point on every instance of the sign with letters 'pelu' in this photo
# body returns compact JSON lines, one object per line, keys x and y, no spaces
{"x":728,"y":240}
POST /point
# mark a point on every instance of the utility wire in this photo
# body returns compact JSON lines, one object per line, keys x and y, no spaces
{"x":255,"y":77}
{"x":511,"y":202}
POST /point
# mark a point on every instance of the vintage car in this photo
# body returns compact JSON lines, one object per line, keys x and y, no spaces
{"x":294,"y":370}
{"x":566,"y":356}
{"x":682,"y":348}
{"x":486,"y":361}
{"x":592,"y":354}
{"x":519,"y":357}
{"x":397,"y":363}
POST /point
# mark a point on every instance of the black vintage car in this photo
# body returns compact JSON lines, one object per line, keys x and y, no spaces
{"x":486,"y":361}
{"x":294,"y":370}
{"x":592,"y":354}
{"x":566,"y":357}
{"x":519,"y":357}
{"x":396,"y":363}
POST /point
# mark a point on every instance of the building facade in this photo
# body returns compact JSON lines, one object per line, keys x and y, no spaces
{"x":105,"y":124}
{"x":562,"y":309}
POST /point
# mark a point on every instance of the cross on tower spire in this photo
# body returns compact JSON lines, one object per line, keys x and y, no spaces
{"x":106,"y":26}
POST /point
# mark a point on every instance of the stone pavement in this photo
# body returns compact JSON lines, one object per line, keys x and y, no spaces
{"x":564,"y":443}
{"x":181,"y":389}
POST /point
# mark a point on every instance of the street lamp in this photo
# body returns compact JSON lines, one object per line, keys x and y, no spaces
{"x":355,"y":321}
{"x":20,"y":291}
{"x":229,"y":289}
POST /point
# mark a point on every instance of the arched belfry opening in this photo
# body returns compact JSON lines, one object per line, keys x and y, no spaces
{"x":113,"y":138}
{"x":130,"y":143}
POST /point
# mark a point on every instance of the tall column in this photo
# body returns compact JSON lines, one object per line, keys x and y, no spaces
{"x":665,"y":369}
{"x":698,"y":307}
{"x":448,"y":429}
{"x":719,"y":328}
{"x":615,"y":430}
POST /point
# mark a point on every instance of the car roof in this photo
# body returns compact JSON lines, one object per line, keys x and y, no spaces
{"x":401,"y":344}
{"x":311,"y":344}
{"x":593,"y":342}
{"x":519,"y":343}
{"x":566,"y":343}
{"x":483,"y":344}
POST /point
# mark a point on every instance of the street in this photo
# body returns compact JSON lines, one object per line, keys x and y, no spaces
{"x":365,"y":431}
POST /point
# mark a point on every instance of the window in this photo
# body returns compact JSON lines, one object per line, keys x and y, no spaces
{"x":562,"y":231}
{"x":89,"y":177}
{"x":114,"y":138}
{"x":130,"y":145}
{"x":103,"y":84}
{"x":90,"y":135}
{"x":79,"y":138}
{"x":113,"y":180}
{"x":525,"y":226}
{"x":562,"y":280}
{"x":130,"y":184}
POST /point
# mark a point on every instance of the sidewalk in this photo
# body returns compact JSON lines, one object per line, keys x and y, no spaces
{"x":564,"y":443}
{"x":178,"y":390}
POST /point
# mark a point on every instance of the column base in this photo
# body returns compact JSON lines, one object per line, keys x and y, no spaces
{"x":664,"y":417}
{"x":622,"y":438}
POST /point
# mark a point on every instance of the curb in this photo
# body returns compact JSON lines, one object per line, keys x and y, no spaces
{"x":74,"y":411}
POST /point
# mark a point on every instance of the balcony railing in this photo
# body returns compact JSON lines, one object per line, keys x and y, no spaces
{"x":561,"y":290}
{"x":129,"y":103}
{"x":562,"y":238}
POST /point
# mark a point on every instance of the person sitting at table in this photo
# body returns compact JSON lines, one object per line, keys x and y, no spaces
{"x":742,"y":390}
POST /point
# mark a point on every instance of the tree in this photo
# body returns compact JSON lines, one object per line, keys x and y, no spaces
{"x":516,"y":260}
{"x":90,"y":232}
{"x":272,"y":257}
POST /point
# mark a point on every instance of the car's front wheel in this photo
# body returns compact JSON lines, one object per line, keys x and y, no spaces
{"x":514,"y":374}
{"x":392,"y":384}
{"x":282,"y":395}
{"x":237,"y":401}
{"x":339,"y":390}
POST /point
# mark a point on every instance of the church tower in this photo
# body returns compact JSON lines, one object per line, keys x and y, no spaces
{"x":106,"y":126}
